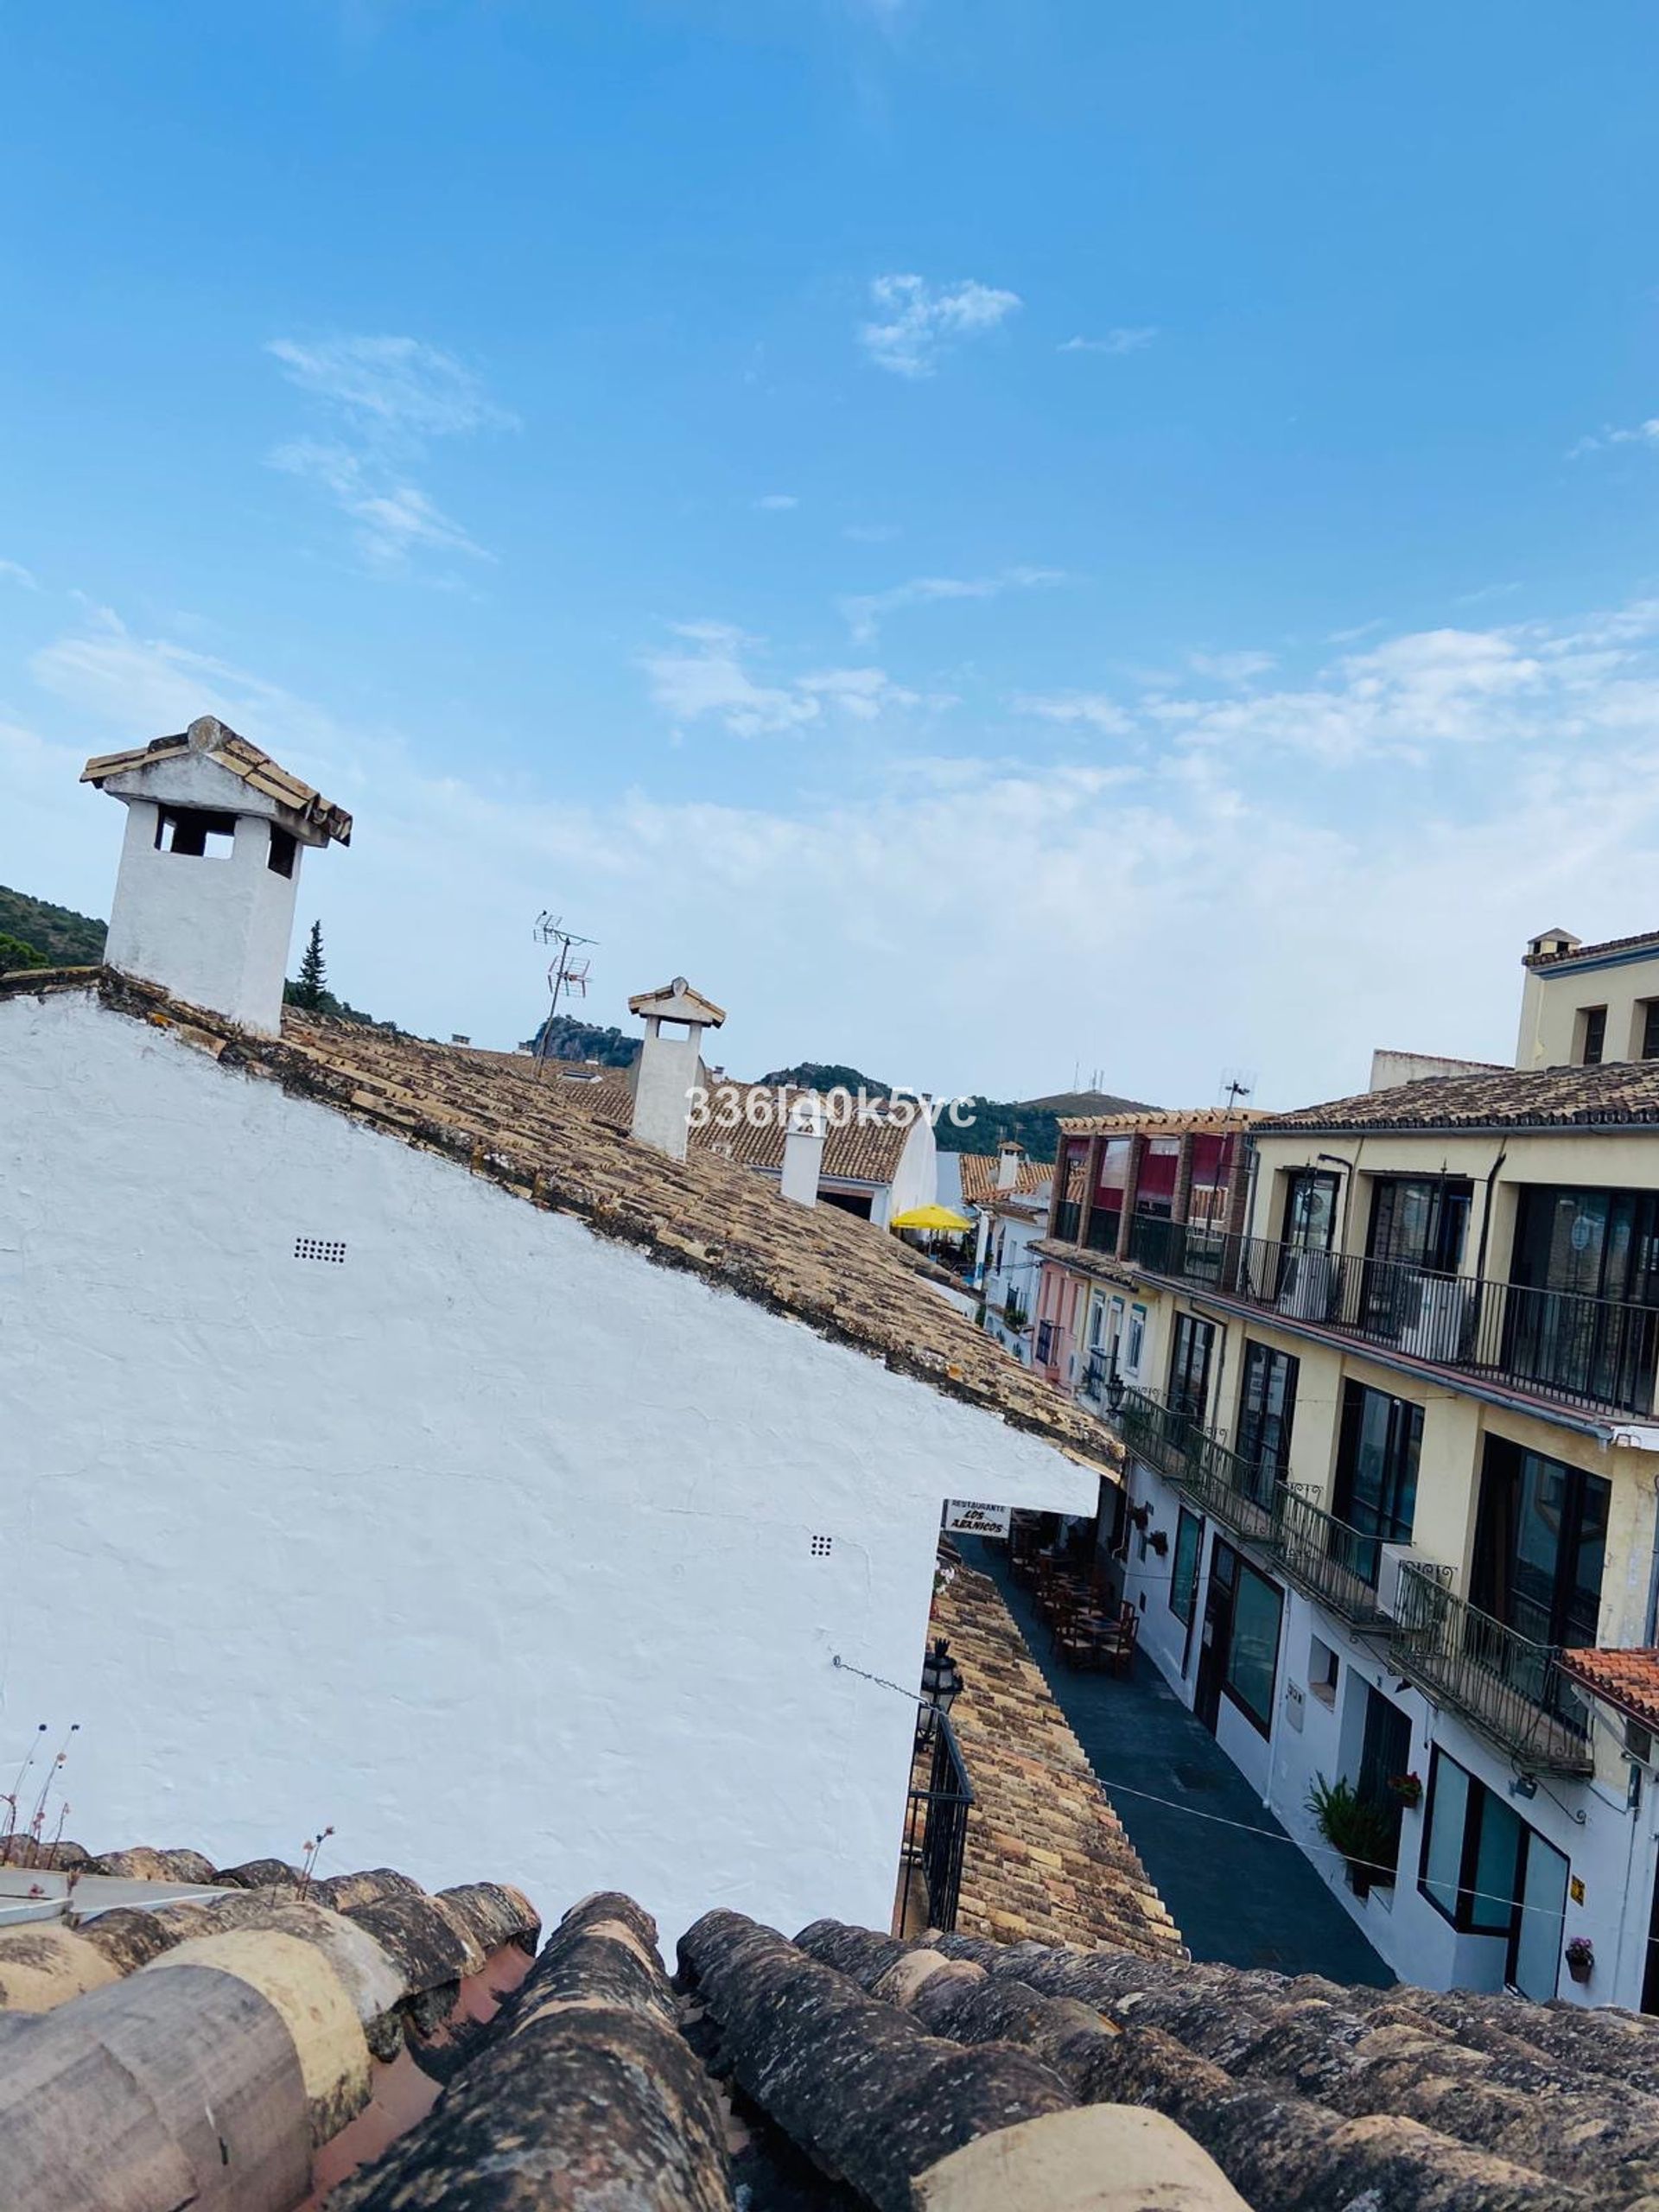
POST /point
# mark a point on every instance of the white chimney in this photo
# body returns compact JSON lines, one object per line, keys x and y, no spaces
{"x":1010,"y":1159}
{"x":803,"y":1150}
{"x":670,"y":1065}
{"x":210,"y":867}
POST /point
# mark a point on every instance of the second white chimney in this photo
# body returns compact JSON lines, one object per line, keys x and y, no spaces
{"x":1010,"y":1159}
{"x":803,"y":1150}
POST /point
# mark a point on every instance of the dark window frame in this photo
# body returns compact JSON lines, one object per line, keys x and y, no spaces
{"x":1256,"y":1422}
{"x":1593,"y":1043}
{"x":1650,"y":1029}
{"x":1469,"y":1898}
{"x":1192,"y":1358}
{"x":1262,"y":1722}
{"x":1185,"y":1520}
{"x":1403,"y":1444}
{"x":1493,"y":1582}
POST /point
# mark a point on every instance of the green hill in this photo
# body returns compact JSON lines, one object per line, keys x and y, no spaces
{"x":63,"y":938}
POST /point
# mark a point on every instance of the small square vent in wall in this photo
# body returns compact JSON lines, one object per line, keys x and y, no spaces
{"x":320,"y":1247}
{"x":821,"y":1547}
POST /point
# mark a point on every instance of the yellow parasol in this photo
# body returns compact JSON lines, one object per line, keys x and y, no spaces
{"x":930,"y":1218}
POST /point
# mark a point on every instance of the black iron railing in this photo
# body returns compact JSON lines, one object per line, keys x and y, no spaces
{"x":1068,"y":1216}
{"x":936,"y":1835}
{"x":1577,"y":1350}
{"x":1514,"y":1691}
{"x":1322,"y":1555}
{"x":1102,"y":1233}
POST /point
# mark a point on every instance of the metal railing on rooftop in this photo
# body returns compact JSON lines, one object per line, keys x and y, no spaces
{"x":1556,"y":1344}
{"x":1514,"y":1691}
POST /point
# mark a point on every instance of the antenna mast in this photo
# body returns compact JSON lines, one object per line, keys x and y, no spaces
{"x":567,"y":973}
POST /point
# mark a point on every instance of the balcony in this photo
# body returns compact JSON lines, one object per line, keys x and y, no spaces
{"x":1513,"y":1692}
{"x":1068,"y":1219}
{"x":1102,"y":1233}
{"x":1595,"y":1352}
{"x":1323,"y":1556}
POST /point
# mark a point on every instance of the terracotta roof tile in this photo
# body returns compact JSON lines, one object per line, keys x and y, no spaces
{"x":979,"y":1177}
{"x":1155,"y":1123}
{"x":242,"y":758}
{"x":1628,"y":1680}
{"x":705,"y":1215}
{"x":1046,"y":1854}
{"x":1590,"y":951}
{"x":1617,"y":1093}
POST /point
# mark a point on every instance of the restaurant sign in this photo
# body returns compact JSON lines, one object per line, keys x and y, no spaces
{"x":966,"y":1517}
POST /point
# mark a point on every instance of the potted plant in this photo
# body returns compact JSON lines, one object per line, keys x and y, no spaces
{"x":1408,"y":1788}
{"x":1362,"y":1831}
{"x":1581,"y":1958}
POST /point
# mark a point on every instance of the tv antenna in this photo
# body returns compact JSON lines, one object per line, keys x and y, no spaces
{"x":1237,"y":1086}
{"x":567,"y":973}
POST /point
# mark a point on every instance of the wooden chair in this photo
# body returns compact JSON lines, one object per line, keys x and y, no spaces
{"x":1118,"y":1641}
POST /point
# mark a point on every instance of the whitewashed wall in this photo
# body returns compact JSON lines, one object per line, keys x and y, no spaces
{"x":490,"y":1546}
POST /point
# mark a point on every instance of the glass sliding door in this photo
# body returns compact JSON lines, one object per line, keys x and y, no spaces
{"x":1265,"y":1407}
{"x":1376,"y":1471}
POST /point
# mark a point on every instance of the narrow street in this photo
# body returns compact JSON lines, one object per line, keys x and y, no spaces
{"x":1239,"y":1899}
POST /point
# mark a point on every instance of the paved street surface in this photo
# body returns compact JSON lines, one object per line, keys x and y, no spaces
{"x":1239,"y":1900}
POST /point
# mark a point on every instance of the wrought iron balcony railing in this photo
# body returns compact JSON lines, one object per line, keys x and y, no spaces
{"x":1598,"y":1352}
{"x":1100,"y":1234}
{"x":936,"y":1832}
{"x":1515,"y":1692}
{"x":1068,"y":1216}
{"x":1333,"y":1563}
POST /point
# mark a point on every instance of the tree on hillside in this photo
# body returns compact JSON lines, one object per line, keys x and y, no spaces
{"x":826,"y":1075}
{"x":13,"y":953}
{"x":314,"y":974}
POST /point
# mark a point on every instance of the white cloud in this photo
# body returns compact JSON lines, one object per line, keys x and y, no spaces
{"x":866,"y":611}
{"x":777,"y":503}
{"x":1129,"y":340}
{"x":923,"y":320}
{"x":871,"y":533}
{"x":392,"y":518}
{"x":1231,"y":668}
{"x":398,"y":384}
{"x":705,"y":679}
{"x":1639,"y":433}
{"x":1092,"y":709}
{"x":384,"y":398}
{"x":15,"y":572}
{"x":1537,"y":801}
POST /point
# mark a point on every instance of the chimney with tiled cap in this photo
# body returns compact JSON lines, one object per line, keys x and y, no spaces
{"x":210,"y":867}
{"x":803,"y":1150}
{"x":670,"y":1065}
{"x":1010,"y":1159}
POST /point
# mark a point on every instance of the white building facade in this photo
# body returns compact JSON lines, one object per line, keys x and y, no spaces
{"x":368,"y":1464}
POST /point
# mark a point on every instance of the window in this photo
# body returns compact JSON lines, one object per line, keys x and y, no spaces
{"x":1267,"y":1402}
{"x":195,"y":832}
{"x":1648,"y":1011}
{"x":1385,"y":1754}
{"x":1541,"y":1544}
{"x":1587,"y":1244}
{"x":1189,"y":1366}
{"x":1310,"y":1210}
{"x":1045,"y":1343}
{"x":1489,"y":1874}
{"x":1376,"y":1471}
{"x":1593,"y":1035}
{"x":1137,"y":1340}
{"x":1253,"y":1647}
{"x":1323,"y":1669}
{"x":1420,"y":1220}
{"x":284,"y":846}
{"x":1184,"y":1575}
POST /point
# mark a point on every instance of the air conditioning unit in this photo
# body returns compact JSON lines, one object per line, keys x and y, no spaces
{"x":1390,"y":1559}
{"x":1306,"y":1285}
{"x":1433,"y":1311}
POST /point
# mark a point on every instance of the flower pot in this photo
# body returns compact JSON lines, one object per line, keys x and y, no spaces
{"x":1580,"y":1969}
{"x":1359,"y":1880}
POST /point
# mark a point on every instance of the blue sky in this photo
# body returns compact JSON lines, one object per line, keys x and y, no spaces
{"x":993,"y":534}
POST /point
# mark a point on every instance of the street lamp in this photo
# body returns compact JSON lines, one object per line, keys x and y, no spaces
{"x":1114,"y":1390}
{"x":941,"y":1682}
